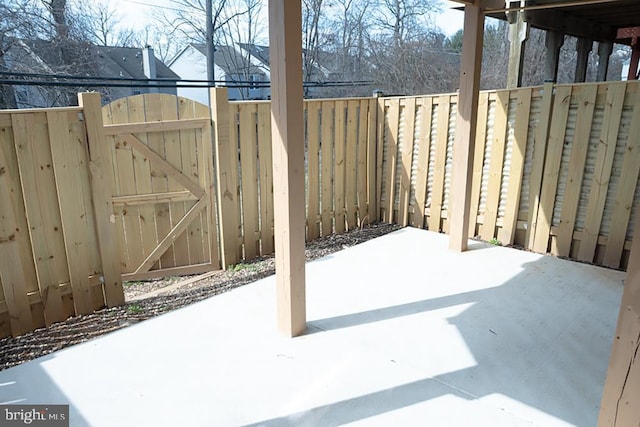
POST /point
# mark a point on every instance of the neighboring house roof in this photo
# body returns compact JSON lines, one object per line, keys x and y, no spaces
{"x":129,"y":60}
{"x":261,"y":53}
{"x":233,"y":60}
{"x":102,"y":61}
{"x":226,"y":57}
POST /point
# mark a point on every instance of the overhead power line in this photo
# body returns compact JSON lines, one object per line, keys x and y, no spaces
{"x":156,"y":6}
{"x":40,"y":79}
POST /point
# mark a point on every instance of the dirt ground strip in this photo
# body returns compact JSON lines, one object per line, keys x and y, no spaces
{"x":147,"y":299}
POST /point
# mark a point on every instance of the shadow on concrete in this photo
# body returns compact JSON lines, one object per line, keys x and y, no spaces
{"x":541,"y":338}
{"x":30,"y":384}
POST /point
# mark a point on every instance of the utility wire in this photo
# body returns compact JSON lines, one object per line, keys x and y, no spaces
{"x":16,"y":78}
{"x":232,"y":85}
{"x":156,"y":6}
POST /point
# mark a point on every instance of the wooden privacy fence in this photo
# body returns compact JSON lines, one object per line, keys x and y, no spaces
{"x":56,"y":253}
{"x":340,"y":162}
{"x":154,"y":185}
{"x":555,"y":168}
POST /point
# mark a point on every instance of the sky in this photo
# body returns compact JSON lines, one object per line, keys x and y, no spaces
{"x":450,"y":20}
{"x":134,"y":11}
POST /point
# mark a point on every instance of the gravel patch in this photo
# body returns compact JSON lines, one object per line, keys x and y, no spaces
{"x":146,"y":299}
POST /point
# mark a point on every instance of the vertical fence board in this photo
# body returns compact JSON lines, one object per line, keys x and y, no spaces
{"x":101,"y":170}
{"x":173,"y":156}
{"x":159,"y":182}
{"x":113,"y":176}
{"x":16,"y":263}
{"x":326,"y":142}
{"x":373,"y":161}
{"x":227,"y":175}
{"x":249,"y":179}
{"x":43,"y":213}
{"x":190,"y":146}
{"x":142,"y":172}
{"x":351,"y":156}
{"x":506,"y":234}
{"x":442,"y":138}
{"x":204,"y":157}
{"x":78,"y":133}
{"x":362,"y":162}
{"x":380,"y":144}
{"x":391,"y":140}
{"x":577,"y":162}
{"x":424,"y":140}
{"x":206,"y":173}
{"x":69,"y":158}
{"x":407,"y":159}
{"x":266,"y":178}
{"x":313,"y":171}
{"x":478,"y":161}
{"x":551,"y":168}
{"x":625,"y":191}
{"x":488,"y":227}
{"x":124,"y":159}
{"x":539,"y":155}
{"x":602,"y":171}
{"x":188,"y":162}
{"x":339,"y":167}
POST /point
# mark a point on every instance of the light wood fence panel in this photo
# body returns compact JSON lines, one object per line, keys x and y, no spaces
{"x":554,"y":169}
{"x":606,"y":150}
{"x":266,"y":180}
{"x":162,"y":177}
{"x":340,"y":155}
{"x":54,"y":262}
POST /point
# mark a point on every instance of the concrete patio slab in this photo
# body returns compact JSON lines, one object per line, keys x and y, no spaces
{"x":401,"y":332}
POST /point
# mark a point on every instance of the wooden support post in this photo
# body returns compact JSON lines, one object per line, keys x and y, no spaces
{"x":635,"y":58}
{"x":604,"y":52}
{"x":622,"y":387}
{"x":518,"y":34}
{"x":464,"y":144}
{"x":100,"y":168}
{"x":583,"y":47}
{"x":554,"y":41}
{"x":285,"y":42}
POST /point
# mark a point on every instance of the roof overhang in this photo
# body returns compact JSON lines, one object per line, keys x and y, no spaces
{"x":598,"y":20}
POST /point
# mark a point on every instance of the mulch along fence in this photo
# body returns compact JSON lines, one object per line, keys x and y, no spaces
{"x":156,"y":185}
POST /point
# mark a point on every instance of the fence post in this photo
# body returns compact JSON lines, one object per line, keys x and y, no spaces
{"x":100,"y":168}
{"x":226,"y":152}
{"x":374,"y":155}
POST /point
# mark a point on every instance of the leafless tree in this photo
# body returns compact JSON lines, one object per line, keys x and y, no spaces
{"x":313,"y":23}
{"x":420,"y":66}
{"x":404,"y":20}
{"x":101,"y":24}
{"x":352,"y":23}
{"x":240,"y":36}
{"x":12,"y":27}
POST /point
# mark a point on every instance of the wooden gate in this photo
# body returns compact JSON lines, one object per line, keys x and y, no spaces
{"x":163,"y":198}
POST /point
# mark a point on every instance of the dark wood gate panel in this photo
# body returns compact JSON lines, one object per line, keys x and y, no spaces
{"x":163,"y":180}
